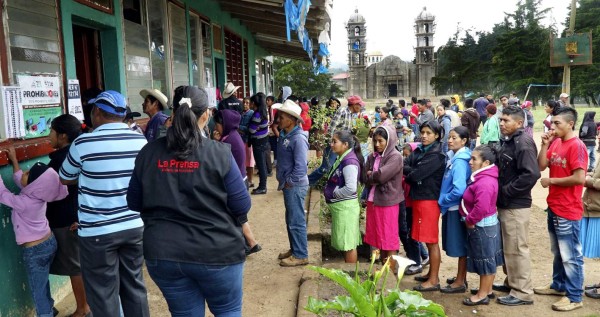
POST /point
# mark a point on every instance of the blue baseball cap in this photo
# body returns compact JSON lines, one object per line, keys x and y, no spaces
{"x":112,"y":102}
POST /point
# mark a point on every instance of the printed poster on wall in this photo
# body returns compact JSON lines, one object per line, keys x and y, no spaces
{"x":38,"y":120}
{"x":12,"y":111}
{"x":74,"y":102}
{"x":39,"y":90}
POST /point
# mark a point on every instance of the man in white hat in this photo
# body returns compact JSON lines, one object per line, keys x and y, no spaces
{"x":292,"y":161}
{"x":230,"y":100}
{"x":155,"y":102}
{"x":563,"y":100}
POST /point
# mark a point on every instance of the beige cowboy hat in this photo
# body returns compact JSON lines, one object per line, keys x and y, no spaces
{"x":156,"y":94}
{"x":290,"y":108}
{"x":229,"y":90}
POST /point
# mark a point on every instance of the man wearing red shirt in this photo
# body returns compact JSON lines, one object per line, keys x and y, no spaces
{"x":413,"y":122}
{"x":567,"y":158}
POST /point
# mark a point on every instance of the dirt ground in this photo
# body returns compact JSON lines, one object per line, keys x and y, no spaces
{"x":270,"y":290}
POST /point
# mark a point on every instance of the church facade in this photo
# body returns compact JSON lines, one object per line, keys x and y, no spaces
{"x":375,"y":77}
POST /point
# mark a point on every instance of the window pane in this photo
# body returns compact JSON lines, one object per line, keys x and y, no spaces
{"x":179,"y":46}
{"x":157,"y":46}
{"x":196,"y":58}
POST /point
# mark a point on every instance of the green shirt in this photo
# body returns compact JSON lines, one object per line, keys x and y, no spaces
{"x":491,"y":131}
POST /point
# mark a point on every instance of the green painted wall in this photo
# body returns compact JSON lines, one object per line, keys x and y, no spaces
{"x":14,"y":293}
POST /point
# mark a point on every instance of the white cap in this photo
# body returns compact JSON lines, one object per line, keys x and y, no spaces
{"x":564,"y":95}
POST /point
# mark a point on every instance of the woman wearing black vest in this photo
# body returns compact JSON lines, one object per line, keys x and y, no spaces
{"x":192,"y":202}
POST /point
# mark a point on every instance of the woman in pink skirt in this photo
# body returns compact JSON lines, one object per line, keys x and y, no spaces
{"x":384,"y":192}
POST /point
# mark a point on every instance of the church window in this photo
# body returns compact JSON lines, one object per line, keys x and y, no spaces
{"x":356,"y":45}
{"x":357,"y":31}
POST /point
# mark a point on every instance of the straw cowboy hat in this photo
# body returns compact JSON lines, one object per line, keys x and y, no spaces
{"x":290,"y":108}
{"x":229,"y":90}
{"x":162,"y":99}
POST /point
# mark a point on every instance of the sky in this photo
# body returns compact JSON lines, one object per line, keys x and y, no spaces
{"x":390,"y":22}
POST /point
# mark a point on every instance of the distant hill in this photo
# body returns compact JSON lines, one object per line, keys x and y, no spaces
{"x":337,"y":67}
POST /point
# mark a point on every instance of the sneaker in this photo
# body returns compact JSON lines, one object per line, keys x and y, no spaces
{"x":564,"y":304}
{"x":425,"y":262}
{"x":285,"y":254}
{"x":413,"y":269}
{"x":293,"y":261}
{"x":547,"y":290}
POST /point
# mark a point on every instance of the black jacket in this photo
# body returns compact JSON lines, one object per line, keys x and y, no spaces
{"x":424,"y":173}
{"x":231,"y":103}
{"x":190,"y":208}
{"x":62,"y":213}
{"x":587,"y":131}
{"x":519,"y":171}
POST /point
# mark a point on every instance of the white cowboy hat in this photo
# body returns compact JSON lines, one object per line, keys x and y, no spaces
{"x":290,"y":108}
{"x":229,"y":90}
{"x":156,"y":94}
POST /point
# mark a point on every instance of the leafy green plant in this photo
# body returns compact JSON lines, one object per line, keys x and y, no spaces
{"x":367,"y":298}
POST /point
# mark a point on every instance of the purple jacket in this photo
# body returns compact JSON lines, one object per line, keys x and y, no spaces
{"x":479,"y":199}
{"x":388,"y":178}
{"x":29,"y":206}
{"x":231,"y":136}
{"x":337,"y":179}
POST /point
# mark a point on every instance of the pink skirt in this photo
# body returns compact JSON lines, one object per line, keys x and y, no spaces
{"x":249,"y":156}
{"x":382,"y":227}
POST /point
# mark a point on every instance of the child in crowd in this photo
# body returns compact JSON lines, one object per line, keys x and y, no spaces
{"x":401,"y":126}
{"x":39,"y":186}
{"x":478,"y":207}
{"x":415,"y":250}
{"x":526,"y":106}
{"x":384,"y":192}
{"x":245,"y":121}
{"x":384,"y":113}
{"x":341,"y":194}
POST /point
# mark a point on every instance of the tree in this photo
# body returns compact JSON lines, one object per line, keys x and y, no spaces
{"x":299,"y":75}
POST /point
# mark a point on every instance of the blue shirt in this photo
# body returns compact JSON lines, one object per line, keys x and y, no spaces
{"x":103,"y":161}
{"x":154,"y":125}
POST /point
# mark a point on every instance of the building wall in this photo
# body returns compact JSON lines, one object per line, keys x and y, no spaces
{"x":39,"y":39}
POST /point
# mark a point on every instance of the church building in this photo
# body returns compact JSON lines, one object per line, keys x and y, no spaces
{"x":376,"y":76}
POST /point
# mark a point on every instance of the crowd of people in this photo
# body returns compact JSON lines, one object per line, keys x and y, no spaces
{"x":101,"y":207}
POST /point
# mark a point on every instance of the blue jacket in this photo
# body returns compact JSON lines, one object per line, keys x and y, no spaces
{"x":292,"y":161}
{"x":455,"y":179}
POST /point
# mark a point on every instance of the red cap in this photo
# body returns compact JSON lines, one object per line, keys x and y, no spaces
{"x":352,"y":100}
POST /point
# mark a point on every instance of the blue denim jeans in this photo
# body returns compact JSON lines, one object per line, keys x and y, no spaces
{"x":567,"y":267}
{"x":592,"y":156}
{"x":185,"y":287}
{"x":295,"y":220}
{"x":472,"y":144}
{"x":37,"y":260}
{"x":329,"y":158}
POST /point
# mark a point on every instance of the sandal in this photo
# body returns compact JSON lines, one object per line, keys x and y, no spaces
{"x":421,"y":278}
{"x":592,"y":286}
{"x":421,"y":289}
{"x":484,"y":301}
{"x":448,"y":289}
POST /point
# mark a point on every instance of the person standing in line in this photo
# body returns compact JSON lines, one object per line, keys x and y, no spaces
{"x":470,"y":119}
{"x":384,"y":192}
{"x":414,"y":109}
{"x":503,"y":104}
{"x":345,"y":118}
{"x":565,"y":154}
{"x":293,"y":181}
{"x":587,"y":134}
{"x":341,"y":194}
{"x":244,"y":123}
{"x":424,"y":113}
{"x":110,"y":234}
{"x":273,"y":128}
{"x":415,"y":250}
{"x":590,"y":225}
{"x":258,"y":128}
{"x":550,"y":108}
{"x":193,"y":244}
{"x":526,"y":106}
{"x":230,"y":100}
{"x":478,"y":208}
{"x":454,"y":183}
{"x":155,"y":102}
{"x":517,"y":161}
{"x":446,"y":123}
{"x":424,"y":171}
{"x":479,"y":105}
{"x":491,"y":127}
{"x":38,"y":186}
{"x":62,"y":214}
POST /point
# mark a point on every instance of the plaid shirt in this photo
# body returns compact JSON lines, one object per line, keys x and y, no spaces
{"x":343,"y":119}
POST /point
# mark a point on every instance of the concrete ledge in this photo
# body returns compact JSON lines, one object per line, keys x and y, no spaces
{"x":309,"y":287}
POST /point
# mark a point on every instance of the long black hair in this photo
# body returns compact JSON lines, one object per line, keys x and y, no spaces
{"x":184,"y":136}
{"x":67,"y":124}
{"x":435,"y":127}
{"x":354,"y":144}
{"x":259,"y":99}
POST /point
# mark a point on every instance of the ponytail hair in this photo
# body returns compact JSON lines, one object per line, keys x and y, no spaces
{"x":185,"y":136}
{"x":354,"y":144}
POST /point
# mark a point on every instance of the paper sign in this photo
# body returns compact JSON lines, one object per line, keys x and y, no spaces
{"x":75,"y":106}
{"x":212,"y":97}
{"x":12,"y":111}
{"x":38,"y":120}
{"x":39,"y":90}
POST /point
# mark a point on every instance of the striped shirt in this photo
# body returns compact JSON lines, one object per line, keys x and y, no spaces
{"x":258,"y":127}
{"x":103,"y":161}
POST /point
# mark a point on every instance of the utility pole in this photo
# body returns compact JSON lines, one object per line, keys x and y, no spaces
{"x":566,"y":84}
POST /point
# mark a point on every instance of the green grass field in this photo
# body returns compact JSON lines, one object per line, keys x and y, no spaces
{"x":539,"y":115}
